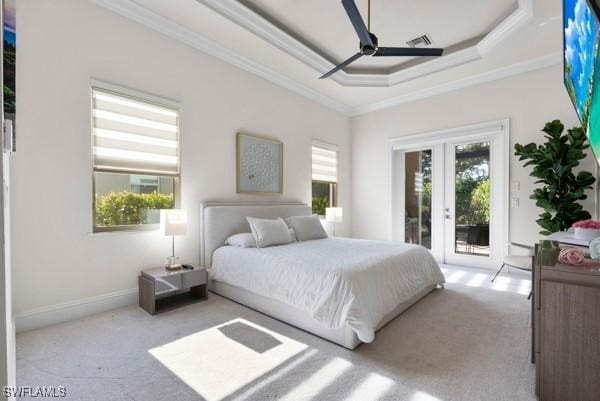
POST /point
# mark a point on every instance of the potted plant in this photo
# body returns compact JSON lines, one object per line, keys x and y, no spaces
{"x":553,"y":164}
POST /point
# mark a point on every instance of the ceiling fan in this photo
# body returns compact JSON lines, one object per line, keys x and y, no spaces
{"x":369,"y":44}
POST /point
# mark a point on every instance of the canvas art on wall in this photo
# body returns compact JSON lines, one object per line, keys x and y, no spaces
{"x":9,"y":48}
{"x":259,"y":165}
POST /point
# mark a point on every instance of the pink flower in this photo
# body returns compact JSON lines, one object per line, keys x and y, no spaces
{"x":590,"y":224}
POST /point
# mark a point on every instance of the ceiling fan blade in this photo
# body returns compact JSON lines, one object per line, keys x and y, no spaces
{"x":344,"y":64}
{"x":357,"y":22}
{"x":407,"y":51}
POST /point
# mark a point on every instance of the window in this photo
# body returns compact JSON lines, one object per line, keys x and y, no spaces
{"x":136,"y":160}
{"x":324,"y":177}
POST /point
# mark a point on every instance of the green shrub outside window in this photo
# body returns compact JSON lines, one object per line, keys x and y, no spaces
{"x":129,"y":208}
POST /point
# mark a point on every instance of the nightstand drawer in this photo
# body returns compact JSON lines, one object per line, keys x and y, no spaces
{"x":194,"y":278}
{"x":168,"y":284}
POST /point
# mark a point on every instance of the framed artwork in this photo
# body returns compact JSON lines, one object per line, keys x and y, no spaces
{"x":9,"y":48}
{"x":259,"y":165}
{"x":9,"y":51}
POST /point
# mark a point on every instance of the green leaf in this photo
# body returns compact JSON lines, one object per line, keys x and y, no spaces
{"x":552,"y":165}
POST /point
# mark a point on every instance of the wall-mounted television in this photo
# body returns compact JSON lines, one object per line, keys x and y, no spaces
{"x":593,"y":122}
{"x":580,"y":47}
{"x":581,"y":37}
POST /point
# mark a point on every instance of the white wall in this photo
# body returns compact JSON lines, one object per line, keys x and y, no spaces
{"x":62,"y":45}
{"x":7,"y":323}
{"x":528,"y":100}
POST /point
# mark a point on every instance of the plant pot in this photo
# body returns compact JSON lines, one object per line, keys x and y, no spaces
{"x":586,"y":234}
{"x":550,"y":256}
{"x":549,"y":253}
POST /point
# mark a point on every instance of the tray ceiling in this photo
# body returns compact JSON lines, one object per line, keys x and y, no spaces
{"x":324,"y":26}
{"x":319,"y":39}
{"x":285,"y":43}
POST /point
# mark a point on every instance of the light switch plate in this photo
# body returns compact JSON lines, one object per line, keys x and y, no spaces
{"x":514,"y":202}
{"x":515,"y":186}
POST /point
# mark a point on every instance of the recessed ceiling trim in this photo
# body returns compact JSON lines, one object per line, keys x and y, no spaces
{"x":507,"y":27}
{"x":244,"y":17}
{"x":451,"y":60}
{"x":488,"y":76}
{"x":140,"y":14}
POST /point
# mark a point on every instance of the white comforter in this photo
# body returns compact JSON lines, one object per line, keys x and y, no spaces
{"x":336,"y":280}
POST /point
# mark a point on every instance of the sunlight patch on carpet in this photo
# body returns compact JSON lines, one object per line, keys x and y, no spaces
{"x":501,"y":284}
{"x":422,"y":396}
{"x":311,"y":387}
{"x":483,"y":280}
{"x":524,"y":287}
{"x":477,"y":280}
{"x":277,"y":374}
{"x":219,"y":361}
{"x":371,"y":388}
{"x":455,"y":277}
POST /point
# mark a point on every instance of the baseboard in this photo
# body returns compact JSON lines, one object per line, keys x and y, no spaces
{"x":49,"y":315}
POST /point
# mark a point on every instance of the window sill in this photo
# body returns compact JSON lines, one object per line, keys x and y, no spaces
{"x":127,"y":230}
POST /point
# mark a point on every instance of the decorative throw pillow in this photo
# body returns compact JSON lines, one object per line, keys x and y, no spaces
{"x":268,"y":232}
{"x":243,"y":240}
{"x":308,"y":227}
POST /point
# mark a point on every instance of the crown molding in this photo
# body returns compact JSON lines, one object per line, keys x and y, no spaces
{"x":244,"y":17}
{"x":489,"y":76}
{"x":451,"y":60}
{"x":133,"y":11}
{"x":507,"y":27}
{"x":140,"y":14}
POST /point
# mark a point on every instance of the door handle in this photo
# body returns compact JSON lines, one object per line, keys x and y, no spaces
{"x":447,"y":213}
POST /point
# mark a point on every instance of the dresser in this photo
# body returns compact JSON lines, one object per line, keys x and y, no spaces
{"x":566,"y":328}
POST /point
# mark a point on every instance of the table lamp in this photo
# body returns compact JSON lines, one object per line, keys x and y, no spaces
{"x":333,"y":215}
{"x":173,"y":222}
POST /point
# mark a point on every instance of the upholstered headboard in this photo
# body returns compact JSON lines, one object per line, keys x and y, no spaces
{"x":221,"y":220}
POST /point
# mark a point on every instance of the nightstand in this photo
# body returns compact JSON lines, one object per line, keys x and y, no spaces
{"x":161,"y":289}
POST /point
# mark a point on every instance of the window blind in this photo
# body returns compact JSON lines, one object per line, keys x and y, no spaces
{"x":324,"y":164}
{"x":132,"y":135}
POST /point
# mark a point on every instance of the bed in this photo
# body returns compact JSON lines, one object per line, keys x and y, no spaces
{"x":343,"y":290}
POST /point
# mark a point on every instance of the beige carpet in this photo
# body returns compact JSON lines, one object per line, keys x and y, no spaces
{"x":468,"y":342}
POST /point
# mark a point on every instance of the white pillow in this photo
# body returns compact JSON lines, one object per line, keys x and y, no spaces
{"x":243,"y":240}
{"x":269,"y":232}
{"x":246,"y":240}
{"x":308,"y":227}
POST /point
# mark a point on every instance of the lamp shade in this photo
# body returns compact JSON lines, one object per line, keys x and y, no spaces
{"x":333,"y":214}
{"x":173,"y":222}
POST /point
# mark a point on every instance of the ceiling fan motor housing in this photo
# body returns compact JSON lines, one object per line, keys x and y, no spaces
{"x":369,"y":50}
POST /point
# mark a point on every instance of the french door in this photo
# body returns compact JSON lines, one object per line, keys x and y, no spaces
{"x":449,"y":194}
